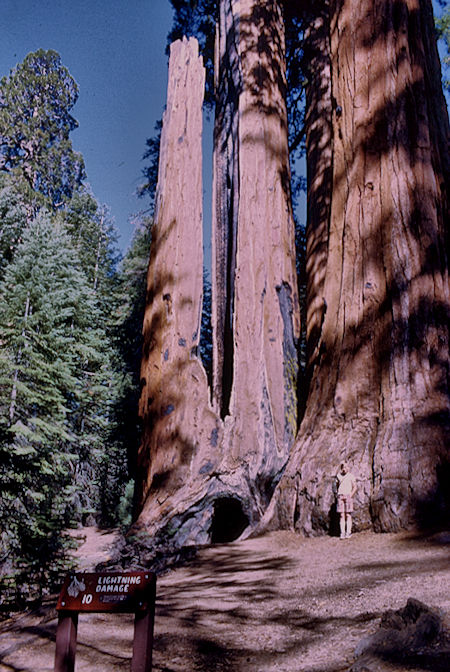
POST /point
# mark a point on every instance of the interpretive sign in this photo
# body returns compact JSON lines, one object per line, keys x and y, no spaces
{"x":114,"y":592}
{"x":123,"y":592}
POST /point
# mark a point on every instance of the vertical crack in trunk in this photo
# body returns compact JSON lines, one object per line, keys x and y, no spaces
{"x":226,"y":202}
{"x":290,"y":362}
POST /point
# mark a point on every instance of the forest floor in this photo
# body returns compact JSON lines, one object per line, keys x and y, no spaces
{"x":278,"y":603}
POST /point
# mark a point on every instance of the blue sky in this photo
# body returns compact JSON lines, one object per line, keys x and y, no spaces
{"x":115,"y":50}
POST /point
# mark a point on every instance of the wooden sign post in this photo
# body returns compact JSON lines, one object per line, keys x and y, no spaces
{"x":111,"y":592}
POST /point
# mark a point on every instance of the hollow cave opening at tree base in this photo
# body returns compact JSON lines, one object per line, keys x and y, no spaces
{"x":229,"y":520}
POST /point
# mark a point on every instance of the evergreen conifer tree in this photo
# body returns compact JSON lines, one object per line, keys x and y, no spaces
{"x":54,"y":390}
{"x":35,"y":123}
{"x":131,"y":296}
{"x":63,"y":384}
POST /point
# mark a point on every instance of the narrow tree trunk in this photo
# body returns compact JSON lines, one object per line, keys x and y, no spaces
{"x":379,"y":389}
{"x":98,"y":253}
{"x":174,"y":405}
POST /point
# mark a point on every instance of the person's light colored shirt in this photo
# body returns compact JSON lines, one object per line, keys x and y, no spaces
{"x":346,"y":484}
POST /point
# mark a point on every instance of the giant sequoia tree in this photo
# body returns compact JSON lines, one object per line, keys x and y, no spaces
{"x":197,"y":461}
{"x":377,"y":266}
{"x":378,"y":296}
{"x":35,"y":123}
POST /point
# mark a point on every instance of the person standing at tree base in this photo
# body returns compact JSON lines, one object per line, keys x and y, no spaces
{"x":346,"y":489}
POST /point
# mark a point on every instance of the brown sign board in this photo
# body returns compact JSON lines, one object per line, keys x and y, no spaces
{"x":114,"y":592}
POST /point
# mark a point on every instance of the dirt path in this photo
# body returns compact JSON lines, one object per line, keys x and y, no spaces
{"x":278,"y":603}
{"x":94,"y":547}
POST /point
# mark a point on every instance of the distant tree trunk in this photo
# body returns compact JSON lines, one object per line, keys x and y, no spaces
{"x":379,"y":307}
{"x":100,"y":242}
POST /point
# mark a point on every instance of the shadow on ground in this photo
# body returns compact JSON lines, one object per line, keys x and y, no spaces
{"x":279,"y":603}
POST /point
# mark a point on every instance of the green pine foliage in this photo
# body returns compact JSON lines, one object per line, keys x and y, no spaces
{"x":94,"y":235}
{"x":53,"y":385}
{"x":132,"y":293}
{"x":35,"y":123}
{"x":66,"y":391}
{"x":129,"y":316}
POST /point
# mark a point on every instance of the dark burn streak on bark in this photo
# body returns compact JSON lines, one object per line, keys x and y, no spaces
{"x":290,"y":361}
{"x":226,"y":203}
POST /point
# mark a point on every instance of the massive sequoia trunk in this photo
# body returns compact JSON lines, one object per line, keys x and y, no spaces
{"x":204,"y":470}
{"x":255,"y":303}
{"x":378,"y":292}
{"x":378,"y":309}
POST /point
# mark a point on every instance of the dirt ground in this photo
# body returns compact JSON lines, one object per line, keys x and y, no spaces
{"x":279,"y":603}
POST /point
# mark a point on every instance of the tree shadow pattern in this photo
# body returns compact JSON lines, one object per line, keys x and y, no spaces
{"x":378,"y":305}
{"x":259,"y":606}
{"x":378,"y":267}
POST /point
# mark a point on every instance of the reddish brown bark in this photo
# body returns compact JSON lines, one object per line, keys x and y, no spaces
{"x":197,"y":469}
{"x":379,"y":388}
{"x":378,"y":293}
{"x":256,"y":315}
{"x":174,"y":404}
